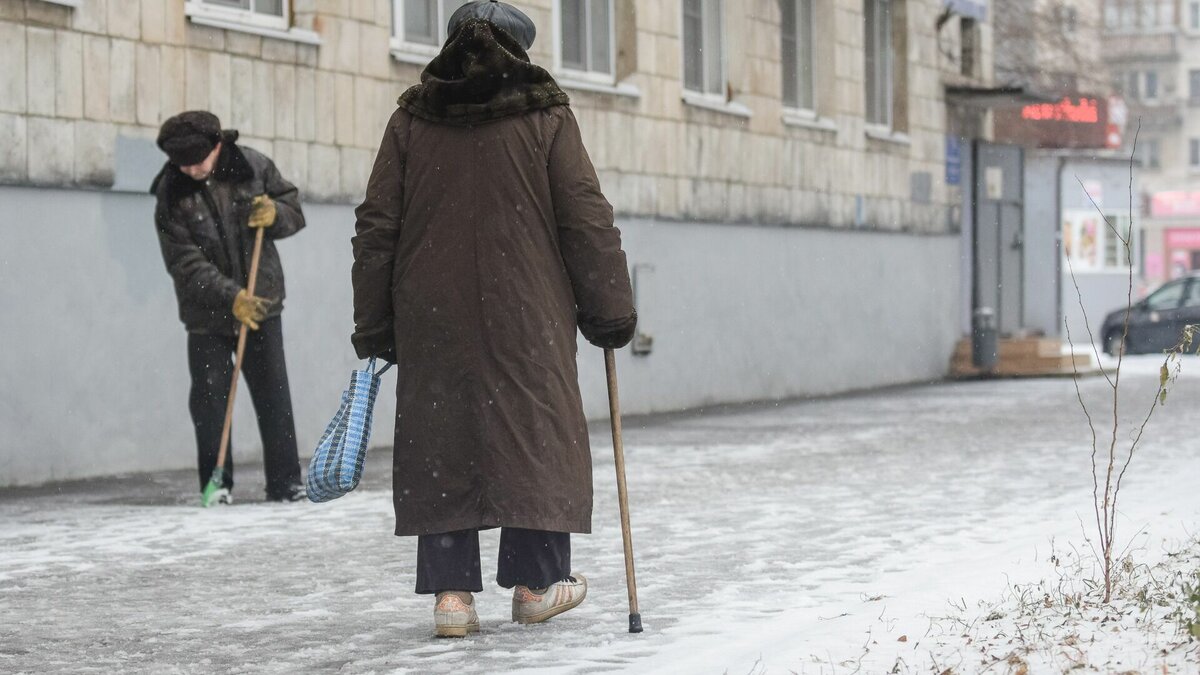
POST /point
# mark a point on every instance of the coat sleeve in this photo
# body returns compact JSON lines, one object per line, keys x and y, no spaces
{"x":377,"y":231}
{"x":197,"y":280}
{"x":289,"y":219}
{"x":589,"y":242}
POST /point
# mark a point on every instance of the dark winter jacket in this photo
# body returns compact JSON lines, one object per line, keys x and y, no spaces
{"x":480,"y":248}
{"x":206,"y":242}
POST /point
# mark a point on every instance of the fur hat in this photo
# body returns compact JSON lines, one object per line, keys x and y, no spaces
{"x":501,"y":14}
{"x":189,"y":137}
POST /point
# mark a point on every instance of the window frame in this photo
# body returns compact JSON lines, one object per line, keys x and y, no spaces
{"x":586,"y":76}
{"x":888,"y":68}
{"x":809,"y":45}
{"x":417,"y":52}
{"x":247,"y":17}
{"x":719,"y":97}
{"x":1150,"y":86}
{"x":1078,"y":223}
{"x":1182,"y":284}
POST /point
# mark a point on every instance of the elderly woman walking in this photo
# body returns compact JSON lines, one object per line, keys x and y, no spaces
{"x":483,"y":242}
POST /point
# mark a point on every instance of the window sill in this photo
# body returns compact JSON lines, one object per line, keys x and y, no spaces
{"x":65,"y":3}
{"x":887,"y":135}
{"x":407,"y":53}
{"x":806,"y":119}
{"x":300,"y":35}
{"x":717,"y":104}
{"x":612,"y":89}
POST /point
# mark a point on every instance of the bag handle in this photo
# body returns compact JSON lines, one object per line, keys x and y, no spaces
{"x":384,"y":369}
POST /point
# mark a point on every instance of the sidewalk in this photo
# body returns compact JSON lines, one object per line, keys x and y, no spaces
{"x":769,"y":538}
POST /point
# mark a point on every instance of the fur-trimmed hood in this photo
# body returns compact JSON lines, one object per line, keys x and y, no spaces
{"x":232,"y":167}
{"x":482,"y":74}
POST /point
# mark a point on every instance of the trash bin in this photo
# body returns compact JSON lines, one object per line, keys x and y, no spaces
{"x":984,"y":338}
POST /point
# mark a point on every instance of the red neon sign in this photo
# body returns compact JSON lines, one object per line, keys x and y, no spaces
{"x":1085,"y":111}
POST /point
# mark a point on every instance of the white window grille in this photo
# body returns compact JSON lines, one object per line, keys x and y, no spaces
{"x":703,"y":51}
{"x":879,"y":60}
{"x":797,"y":27}
{"x":265,"y":14}
{"x":586,"y":39}
{"x":419,"y":27}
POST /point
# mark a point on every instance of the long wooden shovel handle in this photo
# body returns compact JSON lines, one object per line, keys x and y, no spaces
{"x":614,"y":410}
{"x":241,"y":352}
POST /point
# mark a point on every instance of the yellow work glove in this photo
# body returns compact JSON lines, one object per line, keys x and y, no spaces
{"x":250,"y":309}
{"x":262,"y":212}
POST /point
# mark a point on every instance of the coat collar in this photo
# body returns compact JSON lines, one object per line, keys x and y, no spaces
{"x":482,"y":74}
{"x":232,"y":167}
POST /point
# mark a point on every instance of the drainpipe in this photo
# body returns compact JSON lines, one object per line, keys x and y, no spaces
{"x":1058,"y":239}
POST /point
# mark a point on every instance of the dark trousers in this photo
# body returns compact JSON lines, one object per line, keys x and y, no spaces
{"x":533,"y":558}
{"x":210,"y":359}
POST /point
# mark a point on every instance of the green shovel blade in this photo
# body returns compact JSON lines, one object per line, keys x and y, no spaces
{"x":208,"y":496}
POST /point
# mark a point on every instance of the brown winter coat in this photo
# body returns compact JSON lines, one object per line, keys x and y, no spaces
{"x":483,"y":242}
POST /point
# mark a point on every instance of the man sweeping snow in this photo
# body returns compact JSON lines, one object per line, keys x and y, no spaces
{"x":212,"y":195}
{"x":483,"y":242}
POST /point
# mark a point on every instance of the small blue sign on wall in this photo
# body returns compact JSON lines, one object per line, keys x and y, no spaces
{"x":953,"y":160}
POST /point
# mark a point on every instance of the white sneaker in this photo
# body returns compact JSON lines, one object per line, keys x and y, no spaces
{"x":221,"y":497}
{"x":531,"y":607}
{"x":454,"y":618}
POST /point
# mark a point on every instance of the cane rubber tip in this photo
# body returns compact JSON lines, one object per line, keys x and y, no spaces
{"x":635,"y":623}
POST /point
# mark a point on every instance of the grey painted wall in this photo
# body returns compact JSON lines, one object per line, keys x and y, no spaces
{"x":1101,"y":291}
{"x":94,"y":367}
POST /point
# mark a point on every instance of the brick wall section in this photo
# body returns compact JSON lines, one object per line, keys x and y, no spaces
{"x":76,"y":79}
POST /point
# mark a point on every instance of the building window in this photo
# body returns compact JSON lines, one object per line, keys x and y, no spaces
{"x":420,"y":25}
{"x":877,"y":24}
{"x":1092,"y":245}
{"x":969,"y":50}
{"x":1194,"y":87}
{"x":703,"y":51}
{"x":798,"y":54}
{"x":1150,"y":88}
{"x":1133,"y":89}
{"x":586,"y":36}
{"x":1166,"y":13}
{"x":274,"y":14}
{"x":1194,"y":15}
{"x":1149,"y":153}
{"x":1116,"y":255}
{"x":1147,"y":19}
{"x":1067,"y":18}
{"x":1128,"y":15}
{"x":1194,"y":153}
{"x":1112,"y":18}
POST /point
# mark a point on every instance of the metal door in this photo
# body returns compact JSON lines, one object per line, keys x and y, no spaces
{"x":999,"y":233}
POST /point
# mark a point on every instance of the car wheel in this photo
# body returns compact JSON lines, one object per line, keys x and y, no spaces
{"x":1114,"y":343}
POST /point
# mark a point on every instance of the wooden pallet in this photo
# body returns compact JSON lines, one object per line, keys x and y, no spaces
{"x":1024,"y":357}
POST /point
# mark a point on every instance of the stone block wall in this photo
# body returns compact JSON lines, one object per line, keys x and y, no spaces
{"x":75,"y":79}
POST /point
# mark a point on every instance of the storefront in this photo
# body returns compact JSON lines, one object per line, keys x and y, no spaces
{"x":1172,"y":236}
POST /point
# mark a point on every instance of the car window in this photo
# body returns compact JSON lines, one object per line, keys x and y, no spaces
{"x":1167,"y":297}
{"x":1192,"y":299}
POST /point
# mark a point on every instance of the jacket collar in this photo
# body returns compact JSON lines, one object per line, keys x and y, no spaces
{"x":232,"y":167}
{"x":482,"y":74}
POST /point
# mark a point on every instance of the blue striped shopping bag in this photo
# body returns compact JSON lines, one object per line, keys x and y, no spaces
{"x":337,"y":463}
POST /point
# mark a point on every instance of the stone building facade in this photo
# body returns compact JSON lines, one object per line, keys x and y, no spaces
{"x":1154,"y":57}
{"x":83,"y":74}
{"x":777,"y":167}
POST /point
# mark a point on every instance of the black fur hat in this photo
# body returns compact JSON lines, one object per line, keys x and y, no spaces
{"x":189,"y":137}
{"x":503,"y":15}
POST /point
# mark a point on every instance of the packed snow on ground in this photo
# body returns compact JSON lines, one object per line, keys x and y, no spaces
{"x":805,"y":537}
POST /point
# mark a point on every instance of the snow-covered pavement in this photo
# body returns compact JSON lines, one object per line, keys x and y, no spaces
{"x":804,"y":536}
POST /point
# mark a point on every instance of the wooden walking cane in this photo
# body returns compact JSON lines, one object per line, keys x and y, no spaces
{"x":217,"y":481}
{"x":614,"y":409}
